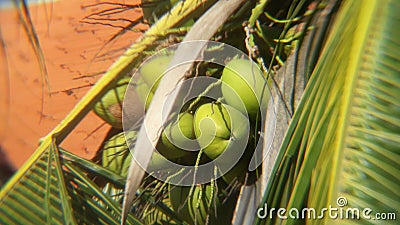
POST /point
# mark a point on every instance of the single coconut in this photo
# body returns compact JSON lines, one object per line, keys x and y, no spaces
{"x":244,"y":83}
{"x":220,"y":127}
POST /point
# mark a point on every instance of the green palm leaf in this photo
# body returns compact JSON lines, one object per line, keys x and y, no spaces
{"x":343,"y":140}
{"x":57,"y":190}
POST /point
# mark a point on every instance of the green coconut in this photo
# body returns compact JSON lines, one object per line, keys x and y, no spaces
{"x":178,"y":197}
{"x":177,"y":134}
{"x":199,"y":206}
{"x":244,"y":83}
{"x":153,"y":70}
{"x":151,"y":73}
{"x":116,"y":155}
{"x":143,"y":91}
{"x":215,"y":125}
{"x":202,"y":203}
{"x":109,"y":108}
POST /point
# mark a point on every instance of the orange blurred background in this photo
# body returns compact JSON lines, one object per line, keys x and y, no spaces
{"x":75,"y":51}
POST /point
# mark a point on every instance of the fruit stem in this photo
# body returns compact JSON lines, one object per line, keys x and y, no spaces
{"x":203,"y":94}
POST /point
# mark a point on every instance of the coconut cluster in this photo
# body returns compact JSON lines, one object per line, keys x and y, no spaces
{"x":215,"y":126}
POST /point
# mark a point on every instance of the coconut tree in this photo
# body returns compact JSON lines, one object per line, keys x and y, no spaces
{"x":332,"y":68}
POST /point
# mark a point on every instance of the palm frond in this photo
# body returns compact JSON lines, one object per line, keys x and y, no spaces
{"x":56,"y":190}
{"x":343,"y":139}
